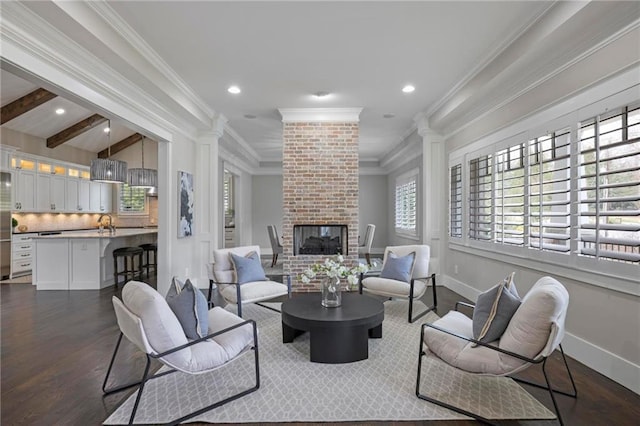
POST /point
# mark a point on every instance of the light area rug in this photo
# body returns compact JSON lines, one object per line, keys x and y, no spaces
{"x":293,"y":389}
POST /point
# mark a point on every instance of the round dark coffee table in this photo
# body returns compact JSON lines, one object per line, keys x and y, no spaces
{"x":338,"y":335}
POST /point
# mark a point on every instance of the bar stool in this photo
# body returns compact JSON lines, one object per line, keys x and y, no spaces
{"x":148,"y":249}
{"x":128,"y":254}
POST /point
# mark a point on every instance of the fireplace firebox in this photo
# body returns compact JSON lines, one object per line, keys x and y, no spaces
{"x":320,"y":239}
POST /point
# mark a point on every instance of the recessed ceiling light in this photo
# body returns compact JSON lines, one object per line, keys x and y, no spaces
{"x":389,"y":115}
{"x":250,"y":116}
{"x":234,"y":89}
{"x":321,"y":94}
{"x":408,"y":88}
{"x":106,"y":130}
{"x":60,"y":111}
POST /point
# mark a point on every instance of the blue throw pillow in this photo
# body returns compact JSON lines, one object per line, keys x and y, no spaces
{"x":398,"y":268}
{"x":494,"y":309}
{"x":248,"y":268}
{"x":190,"y":307}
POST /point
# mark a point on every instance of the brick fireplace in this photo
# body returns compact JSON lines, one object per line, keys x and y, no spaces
{"x":320,"y":181}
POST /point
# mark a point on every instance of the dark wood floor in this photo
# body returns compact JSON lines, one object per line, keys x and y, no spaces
{"x":56,"y":346}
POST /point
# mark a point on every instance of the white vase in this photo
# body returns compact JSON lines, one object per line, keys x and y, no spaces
{"x":331,"y":292}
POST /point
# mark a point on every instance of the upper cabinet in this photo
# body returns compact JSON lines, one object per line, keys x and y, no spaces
{"x":43,"y":186}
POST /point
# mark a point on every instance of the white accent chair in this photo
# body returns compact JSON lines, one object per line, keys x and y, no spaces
{"x":276,"y":246}
{"x":365,"y":248}
{"x":148,"y":322}
{"x":222,"y":274}
{"x":412,"y":290}
{"x":534,"y":332}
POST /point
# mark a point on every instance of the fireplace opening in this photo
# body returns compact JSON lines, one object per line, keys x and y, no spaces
{"x":320,"y":239}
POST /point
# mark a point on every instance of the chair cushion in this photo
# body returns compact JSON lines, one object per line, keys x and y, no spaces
{"x":253,"y":291}
{"x":234,"y":341}
{"x":537,"y":327}
{"x":398,"y":268}
{"x":463,"y":354}
{"x":248,"y":268}
{"x":162,"y":328}
{"x":494,"y":309}
{"x":392,"y":288}
{"x":223,"y":271}
{"x":190,"y":307}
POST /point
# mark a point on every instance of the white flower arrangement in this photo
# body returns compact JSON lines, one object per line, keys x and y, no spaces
{"x":334,"y":267}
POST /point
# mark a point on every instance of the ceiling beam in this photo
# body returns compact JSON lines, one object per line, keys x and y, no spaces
{"x":25,"y":104}
{"x":119,"y":146}
{"x":75,"y":130}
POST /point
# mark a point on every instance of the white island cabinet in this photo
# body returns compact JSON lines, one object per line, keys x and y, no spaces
{"x":82,"y":260}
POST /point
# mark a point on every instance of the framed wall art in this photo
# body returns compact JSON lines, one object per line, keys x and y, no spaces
{"x":185,"y":215}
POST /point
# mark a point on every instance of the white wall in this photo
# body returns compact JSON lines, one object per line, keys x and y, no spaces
{"x":372,"y":208}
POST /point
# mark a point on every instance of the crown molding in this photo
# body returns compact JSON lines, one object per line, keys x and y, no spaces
{"x":35,"y":48}
{"x":165,"y":77}
{"x":320,"y":115}
{"x":240,"y":140}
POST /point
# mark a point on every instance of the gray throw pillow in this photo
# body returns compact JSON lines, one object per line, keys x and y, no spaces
{"x":398,"y":268}
{"x":190,"y":307}
{"x":494,"y":309}
{"x":248,"y":268}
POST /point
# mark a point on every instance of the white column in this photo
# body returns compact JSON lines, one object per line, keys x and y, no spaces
{"x":433,"y":186}
{"x":207,"y":189}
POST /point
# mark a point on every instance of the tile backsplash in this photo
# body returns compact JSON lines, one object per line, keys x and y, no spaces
{"x":39,"y":222}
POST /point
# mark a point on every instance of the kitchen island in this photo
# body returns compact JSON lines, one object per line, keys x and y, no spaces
{"x":82,"y":260}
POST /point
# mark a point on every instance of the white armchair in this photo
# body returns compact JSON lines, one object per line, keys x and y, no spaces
{"x":147,"y":321}
{"x":534,"y":332}
{"x":412,"y":287}
{"x":237,"y":291}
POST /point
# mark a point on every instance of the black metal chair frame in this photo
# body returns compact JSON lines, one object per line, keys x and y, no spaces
{"x":146,"y":377}
{"x":542,"y":360}
{"x":238,"y":295}
{"x":410,"y":319}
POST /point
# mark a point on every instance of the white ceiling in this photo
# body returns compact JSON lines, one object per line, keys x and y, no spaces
{"x":280,"y":53}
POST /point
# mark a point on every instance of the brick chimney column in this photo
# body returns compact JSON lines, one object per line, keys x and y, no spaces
{"x":320,"y":179}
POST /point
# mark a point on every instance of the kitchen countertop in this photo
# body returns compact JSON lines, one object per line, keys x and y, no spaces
{"x":120,"y":232}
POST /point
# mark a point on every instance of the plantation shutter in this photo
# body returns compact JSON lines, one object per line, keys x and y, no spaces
{"x":406,"y":204}
{"x":609,"y":185}
{"x":455,"y":201}
{"x":550,"y":192}
{"x":509,"y":196}
{"x":480,"y":198}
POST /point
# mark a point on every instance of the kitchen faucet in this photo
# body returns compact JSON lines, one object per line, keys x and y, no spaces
{"x":112,"y":228}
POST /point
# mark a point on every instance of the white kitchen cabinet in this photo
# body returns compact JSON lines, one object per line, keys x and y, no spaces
{"x":100,"y":197}
{"x":24,"y":191}
{"x":21,"y":254}
{"x":78,"y":195}
{"x":51,"y":193}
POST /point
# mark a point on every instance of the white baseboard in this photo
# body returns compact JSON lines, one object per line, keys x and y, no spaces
{"x":604,"y":362}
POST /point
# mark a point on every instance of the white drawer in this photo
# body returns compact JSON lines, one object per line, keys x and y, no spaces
{"x":21,"y":266}
{"x":21,"y":255}
{"x":19,"y":238}
{"x":24,"y":246}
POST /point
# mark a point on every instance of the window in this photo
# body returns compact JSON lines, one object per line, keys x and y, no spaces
{"x":509,"y":196}
{"x":480,"y":198}
{"x":132,"y":200}
{"x":609,"y":186}
{"x":406,"y":203}
{"x":550,"y":192}
{"x":455,"y":201}
{"x":573,"y":192}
